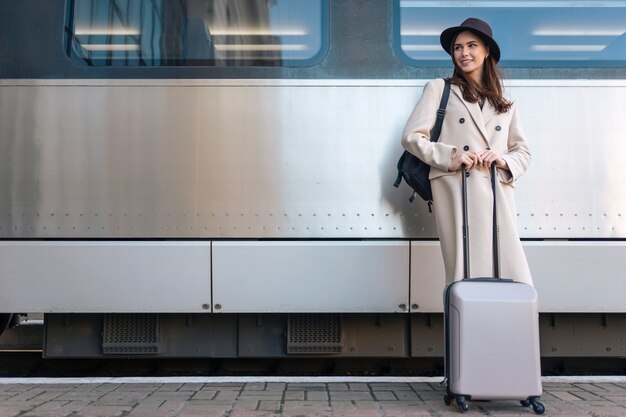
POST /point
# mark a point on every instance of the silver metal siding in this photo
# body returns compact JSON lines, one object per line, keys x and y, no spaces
{"x":279,"y":159}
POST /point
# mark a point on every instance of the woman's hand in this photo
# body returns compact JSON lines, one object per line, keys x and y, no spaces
{"x":470,"y":159}
{"x":488,"y":157}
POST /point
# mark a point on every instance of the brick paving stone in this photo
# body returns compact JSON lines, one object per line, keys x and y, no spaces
{"x":291,"y":400}
{"x":169,"y":387}
{"x":359,"y":413}
{"x":57,"y":408}
{"x":405,"y":395}
{"x":21,"y":406}
{"x":139,"y":413}
{"x":307,"y":386}
{"x":586,"y":395}
{"x":102,"y":411}
{"x":390,"y":387}
{"x":138,"y":387}
{"x":430,"y":395}
{"x":15,"y":387}
{"x":222,"y":386}
{"x":55,"y":387}
{"x":317,"y":395}
{"x":252,"y":397}
{"x":408,"y":411}
{"x":226,"y":395}
{"x":171,"y":394}
{"x":366,"y":405}
{"x":26,"y":395}
{"x":275,"y":386}
{"x":246,"y":404}
{"x":247,"y":413}
{"x":613,"y":388}
{"x":191,"y":387}
{"x":196,"y":411}
{"x":172,"y":406}
{"x":342,"y":405}
{"x":77,"y":395}
{"x":591,"y":387}
{"x":358,"y":387}
{"x":8,"y":412}
{"x":149,"y":405}
{"x":358,"y":395}
{"x":321,"y":405}
{"x":254,"y":386}
{"x":384,"y":395}
{"x":565,"y":395}
{"x":421,"y":386}
{"x":105,"y":388}
{"x":267,"y":405}
{"x":204,"y":395}
{"x":294,"y":395}
{"x":338,"y":387}
{"x":262,"y":393}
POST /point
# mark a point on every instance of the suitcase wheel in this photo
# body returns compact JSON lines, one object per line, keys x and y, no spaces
{"x":538,"y":408}
{"x":461,"y":403}
{"x":447,"y":398}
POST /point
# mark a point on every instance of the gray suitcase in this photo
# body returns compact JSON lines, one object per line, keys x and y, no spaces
{"x":491,"y":334}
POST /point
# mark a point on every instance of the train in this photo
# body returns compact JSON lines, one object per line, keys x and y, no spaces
{"x":214,"y":178}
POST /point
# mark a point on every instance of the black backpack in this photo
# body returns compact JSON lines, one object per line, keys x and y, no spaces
{"x":414,"y":170}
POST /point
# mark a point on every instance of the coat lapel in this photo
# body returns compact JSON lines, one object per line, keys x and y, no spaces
{"x":474,"y":110}
{"x":488,"y":112}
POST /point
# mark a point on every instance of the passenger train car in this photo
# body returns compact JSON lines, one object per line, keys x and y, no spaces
{"x":213,"y":178}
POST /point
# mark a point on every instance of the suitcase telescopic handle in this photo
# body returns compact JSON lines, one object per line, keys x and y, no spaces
{"x":466,"y":258}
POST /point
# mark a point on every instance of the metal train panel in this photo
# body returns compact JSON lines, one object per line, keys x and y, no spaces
{"x":570,"y":277}
{"x":315,"y":277}
{"x":121,"y":277}
{"x":279,"y":159}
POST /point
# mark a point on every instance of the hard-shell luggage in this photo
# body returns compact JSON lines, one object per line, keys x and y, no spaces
{"x":491,"y":333}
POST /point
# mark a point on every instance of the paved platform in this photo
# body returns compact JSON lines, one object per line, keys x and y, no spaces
{"x":295,"y":397}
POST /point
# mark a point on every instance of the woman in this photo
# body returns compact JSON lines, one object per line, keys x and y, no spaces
{"x":480,"y":128}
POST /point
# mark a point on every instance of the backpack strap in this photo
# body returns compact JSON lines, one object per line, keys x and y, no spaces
{"x":434,"y":135}
{"x":441,"y":112}
{"x":399,"y":167}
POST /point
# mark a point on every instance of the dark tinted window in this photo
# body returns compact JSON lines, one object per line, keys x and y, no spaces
{"x":197,"y":32}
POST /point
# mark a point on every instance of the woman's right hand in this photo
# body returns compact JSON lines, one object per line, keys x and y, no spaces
{"x":470,"y":159}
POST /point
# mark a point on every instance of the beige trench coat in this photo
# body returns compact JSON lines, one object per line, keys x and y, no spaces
{"x":466,"y":127}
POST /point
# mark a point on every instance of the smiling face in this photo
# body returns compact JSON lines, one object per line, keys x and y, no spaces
{"x":469,"y":53}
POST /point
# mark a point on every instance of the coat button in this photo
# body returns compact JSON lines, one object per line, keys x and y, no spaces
{"x":461,"y":120}
{"x":498,"y":128}
{"x":466,"y":148}
{"x":467,"y":174}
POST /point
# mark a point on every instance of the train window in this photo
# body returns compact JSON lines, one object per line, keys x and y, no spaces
{"x":531,"y":33}
{"x":197,"y":32}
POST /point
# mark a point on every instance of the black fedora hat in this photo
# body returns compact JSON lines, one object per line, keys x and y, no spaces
{"x":476,"y":26}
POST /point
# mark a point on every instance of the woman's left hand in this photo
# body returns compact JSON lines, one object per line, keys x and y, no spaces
{"x":487,"y":157}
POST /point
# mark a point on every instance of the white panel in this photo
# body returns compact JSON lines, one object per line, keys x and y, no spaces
{"x":428,"y":277}
{"x":579,"y":276}
{"x":569,"y":276}
{"x":105,"y":276}
{"x":310,"y":276}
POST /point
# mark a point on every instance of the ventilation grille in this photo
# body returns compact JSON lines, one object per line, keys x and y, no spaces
{"x":130,"y":334}
{"x":314,"y":334}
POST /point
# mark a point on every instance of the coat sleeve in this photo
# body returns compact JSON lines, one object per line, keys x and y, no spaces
{"x":518,"y":156}
{"x":416,"y":135}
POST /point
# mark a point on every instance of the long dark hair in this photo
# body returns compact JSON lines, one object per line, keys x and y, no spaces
{"x":491,"y":88}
